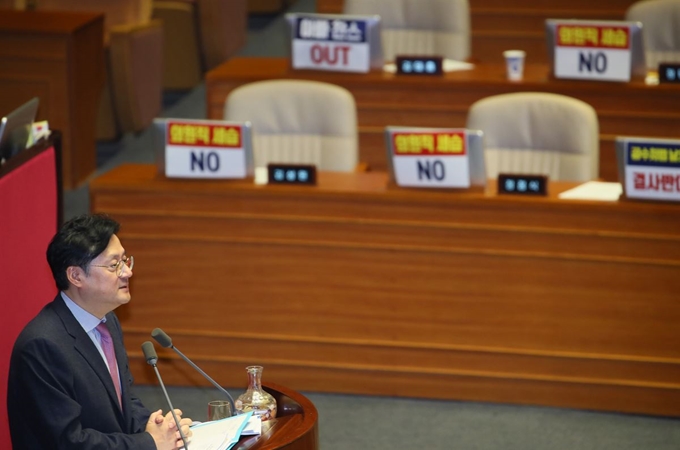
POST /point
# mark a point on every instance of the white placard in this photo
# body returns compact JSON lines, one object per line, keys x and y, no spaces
{"x":432,"y":171}
{"x":431,"y":158}
{"x":204,"y":162}
{"x":206,"y":149}
{"x":652,"y":169}
{"x":330,"y":43}
{"x":593,"y":52}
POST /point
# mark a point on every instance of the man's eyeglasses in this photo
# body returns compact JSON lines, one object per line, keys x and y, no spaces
{"x":118,"y":267}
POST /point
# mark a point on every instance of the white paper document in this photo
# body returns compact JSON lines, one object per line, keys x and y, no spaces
{"x":594,"y":190}
{"x":218,"y":434}
{"x":253,"y":427}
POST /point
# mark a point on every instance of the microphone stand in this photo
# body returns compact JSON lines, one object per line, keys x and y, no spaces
{"x":207,"y":377}
{"x":165,"y":341}
{"x":151,"y":359}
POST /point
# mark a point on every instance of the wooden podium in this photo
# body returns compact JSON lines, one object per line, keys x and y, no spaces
{"x":58,"y":57}
{"x":295,"y":426}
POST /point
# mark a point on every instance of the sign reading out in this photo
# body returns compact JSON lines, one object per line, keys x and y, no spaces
{"x":593,"y":52}
{"x":205,"y":149}
{"x":652,"y":169}
{"x":433,"y":158}
{"x":331,"y":44}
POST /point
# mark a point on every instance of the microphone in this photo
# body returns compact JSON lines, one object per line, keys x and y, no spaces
{"x":164,"y":340}
{"x":151,"y":359}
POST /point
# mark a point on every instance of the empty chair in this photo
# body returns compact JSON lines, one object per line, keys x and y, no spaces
{"x":419,"y":27}
{"x":660,"y":29}
{"x":538,"y":133}
{"x":296,"y":121}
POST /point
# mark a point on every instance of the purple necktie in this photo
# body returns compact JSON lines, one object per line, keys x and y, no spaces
{"x":107,"y":346}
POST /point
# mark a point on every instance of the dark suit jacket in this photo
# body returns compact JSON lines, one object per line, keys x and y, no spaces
{"x":60,"y":394}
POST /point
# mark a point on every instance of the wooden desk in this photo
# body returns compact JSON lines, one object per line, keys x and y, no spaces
{"x":632,"y":109}
{"x":58,"y":57}
{"x":355,"y":287}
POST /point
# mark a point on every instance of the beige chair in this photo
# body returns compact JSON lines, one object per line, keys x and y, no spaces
{"x":538,"y":133}
{"x":134,"y":51}
{"x":660,"y":29}
{"x":419,"y":27}
{"x":199,"y":35}
{"x":295,"y":121}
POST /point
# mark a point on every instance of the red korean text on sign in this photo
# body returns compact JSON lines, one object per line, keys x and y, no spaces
{"x":658,"y":182}
{"x":593,"y":36}
{"x":204,"y":135}
{"x":441,"y":143}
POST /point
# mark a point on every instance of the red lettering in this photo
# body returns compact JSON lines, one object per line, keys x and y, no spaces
{"x":345,"y":50}
{"x":317,"y":53}
{"x":654,"y":181}
{"x":639,"y":181}
{"x":321,"y":54}
{"x":332,"y":61}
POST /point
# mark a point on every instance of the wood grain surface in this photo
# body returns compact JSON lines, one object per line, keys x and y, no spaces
{"x":359,"y":287}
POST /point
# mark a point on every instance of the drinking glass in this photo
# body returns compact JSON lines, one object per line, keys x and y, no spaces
{"x":218,"y":409}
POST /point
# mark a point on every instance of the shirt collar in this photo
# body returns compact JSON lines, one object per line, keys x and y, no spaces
{"x":84,"y":318}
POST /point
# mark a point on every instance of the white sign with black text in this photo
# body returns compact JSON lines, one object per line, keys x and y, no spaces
{"x":205,"y":149}
{"x":429,"y":157}
{"x":593,"y":51}
{"x":330,"y":43}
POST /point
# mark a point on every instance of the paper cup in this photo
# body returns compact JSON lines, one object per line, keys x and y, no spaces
{"x":514,"y":62}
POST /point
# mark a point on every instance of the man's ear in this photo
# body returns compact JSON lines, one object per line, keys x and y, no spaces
{"x":75,"y":275}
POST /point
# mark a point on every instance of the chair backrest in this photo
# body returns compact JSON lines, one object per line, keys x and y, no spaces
{"x":660,"y":29}
{"x":419,"y":27}
{"x":296,"y":121}
{"x":538,"y":133}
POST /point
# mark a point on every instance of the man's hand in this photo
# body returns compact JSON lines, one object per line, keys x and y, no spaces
{"x":164,"y":431}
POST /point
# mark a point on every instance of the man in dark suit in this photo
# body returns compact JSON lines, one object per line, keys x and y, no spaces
{"x":66,"y":388}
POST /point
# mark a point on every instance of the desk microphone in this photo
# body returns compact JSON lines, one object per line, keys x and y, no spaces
{"x":151,"y":359}
{"x":164,"y":340}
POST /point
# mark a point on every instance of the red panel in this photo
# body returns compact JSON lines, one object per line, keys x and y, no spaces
{"x":28,"y":220}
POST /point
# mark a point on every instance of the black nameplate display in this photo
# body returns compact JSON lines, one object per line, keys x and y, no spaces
{"x":669,"y":73}
{"x":419,"y":65}
{"x":522,"y":184}
{"x":291,"y":174}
